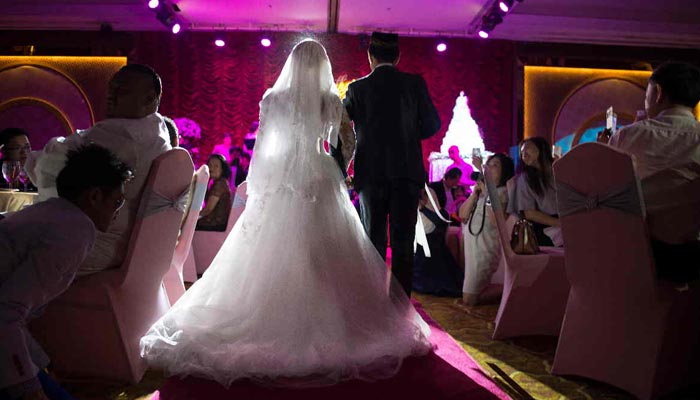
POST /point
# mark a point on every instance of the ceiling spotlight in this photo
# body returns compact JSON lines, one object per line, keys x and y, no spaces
{"x":483,"y":34}
{"x":219,"y":43}
{"x":441,"y":47}
{"x":153,"y":4}
{"x":176,"y":28}
{"x":266,"y":42}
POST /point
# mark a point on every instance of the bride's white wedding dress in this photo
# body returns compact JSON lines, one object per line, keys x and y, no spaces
{"x":297,"y":290}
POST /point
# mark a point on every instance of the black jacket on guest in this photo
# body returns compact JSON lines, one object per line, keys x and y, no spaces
{"x":392,"y":112}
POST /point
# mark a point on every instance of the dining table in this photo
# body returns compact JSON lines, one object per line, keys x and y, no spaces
{"x":12,"y":200}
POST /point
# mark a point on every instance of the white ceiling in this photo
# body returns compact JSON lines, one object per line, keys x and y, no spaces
{"x":657,"y":23}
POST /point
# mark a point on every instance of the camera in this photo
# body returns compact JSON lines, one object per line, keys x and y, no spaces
{"x":476,"y":176}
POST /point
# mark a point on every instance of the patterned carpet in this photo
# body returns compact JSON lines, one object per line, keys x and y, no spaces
{"x":519,"y":366}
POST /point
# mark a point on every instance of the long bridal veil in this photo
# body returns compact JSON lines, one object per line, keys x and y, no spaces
{"x":296,"y":114}
{"x":297,"y":295}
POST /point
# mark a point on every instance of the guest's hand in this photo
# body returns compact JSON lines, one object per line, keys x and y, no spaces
{"x":480,"y":187}
{"x":604,"y":136}
{"x":478,"y":162}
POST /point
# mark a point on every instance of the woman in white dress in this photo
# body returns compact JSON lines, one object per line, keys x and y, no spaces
{"x":297,"y":295}
{"x":482,"y":249}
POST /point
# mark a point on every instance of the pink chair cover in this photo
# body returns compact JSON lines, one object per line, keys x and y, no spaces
{"x":535,"y":288}
{"x":205,"y":244}
{"x":622,"y":326}
{"x":93,"y":329}
{"x":173,"y":279}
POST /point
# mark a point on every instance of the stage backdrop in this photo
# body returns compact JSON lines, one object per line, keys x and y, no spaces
{"x":220,"y":88}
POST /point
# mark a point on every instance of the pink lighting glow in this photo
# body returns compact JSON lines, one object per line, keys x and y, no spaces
{"x":483,"y":34}
{"x":153,"y":4}
{"x":504,"y":7}
{"x":441,"y":47}
{"x":219,"y":43}
{"x":266,"y":42}
{"x":176,"y":28}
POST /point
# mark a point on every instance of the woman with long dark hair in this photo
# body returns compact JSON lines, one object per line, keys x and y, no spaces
{"x":214,"y":216}
{"x":482,"y":250}
{"x":535,"y":197}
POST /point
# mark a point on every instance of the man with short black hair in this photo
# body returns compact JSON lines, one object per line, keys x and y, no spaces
{"x":666,"y":152}
{"x":136,"y":133}
{"x":392,"y":112}
{"x":42,"y":247}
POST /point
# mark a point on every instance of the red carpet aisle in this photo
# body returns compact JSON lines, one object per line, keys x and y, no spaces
{"x":448,"y":373}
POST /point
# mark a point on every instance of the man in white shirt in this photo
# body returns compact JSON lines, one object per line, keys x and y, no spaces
{"x":136,"y":133}
{"x":42,"y":247}
{"x":666,"y":151}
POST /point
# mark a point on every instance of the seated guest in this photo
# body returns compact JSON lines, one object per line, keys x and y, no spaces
{"x":173,"y":132}
{"x":14,"y":146}
{"x":242,"y":168}
{"x":443,"y":189}
{"x":214,"y":216}
{"x":136,"y":133}
{"x":482,"y":247}
{"x":535,"y":197}
{"x":42,"y":247}
{"x":460,"y":195}
{"x":438,"y":274}
{"x":666,"y":152}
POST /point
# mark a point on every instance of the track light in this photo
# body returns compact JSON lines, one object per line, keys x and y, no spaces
{"x":265,"y":42}
{"x":441,"y":47}
{"x":166,"y":14}
{"x":494,"y":16}
{"x":219,"y":42}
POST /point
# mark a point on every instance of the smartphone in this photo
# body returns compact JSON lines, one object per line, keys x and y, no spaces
{"x":476,"y":152}
{"x":610,"y":120}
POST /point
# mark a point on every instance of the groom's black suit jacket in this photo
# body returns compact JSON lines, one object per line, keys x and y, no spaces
{"x":392,"y":112}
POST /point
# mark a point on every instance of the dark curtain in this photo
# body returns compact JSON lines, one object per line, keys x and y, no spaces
{"x":220,"y":88}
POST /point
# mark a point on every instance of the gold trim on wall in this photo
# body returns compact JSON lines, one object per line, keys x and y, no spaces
{"x":63,"y":118}
{"x":49,"y":62}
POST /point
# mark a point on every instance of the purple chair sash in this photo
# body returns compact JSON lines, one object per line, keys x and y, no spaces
{"x":624,"y":199}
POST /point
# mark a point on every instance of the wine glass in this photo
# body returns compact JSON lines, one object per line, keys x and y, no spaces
{"x":11,"y":171}
{"x":23,"y":179}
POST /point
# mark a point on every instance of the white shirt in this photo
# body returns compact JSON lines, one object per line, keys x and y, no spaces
{"x":137,"y":142}
{"x":42,"y":247}
{"x":666,"y":153}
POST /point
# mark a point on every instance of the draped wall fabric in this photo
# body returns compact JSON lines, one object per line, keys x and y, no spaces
{"x":220,"y":88}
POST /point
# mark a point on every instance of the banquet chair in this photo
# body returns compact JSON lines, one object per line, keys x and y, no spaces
{"x":535,"y":288}
{"x":173,"y":279}
{"x":93,"y":329}
{"x":623,"y":326}
{"x":206,"y":244}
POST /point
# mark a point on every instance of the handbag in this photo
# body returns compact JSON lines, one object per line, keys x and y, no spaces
{"x":523,"y":239}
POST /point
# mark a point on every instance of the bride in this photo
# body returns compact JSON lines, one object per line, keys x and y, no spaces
{"x":297,"y":295}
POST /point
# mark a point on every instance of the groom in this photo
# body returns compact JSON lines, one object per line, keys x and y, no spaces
{"x":392,"y":112}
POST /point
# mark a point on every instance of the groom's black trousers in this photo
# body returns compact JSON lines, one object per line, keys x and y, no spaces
{"x":397,"y":200}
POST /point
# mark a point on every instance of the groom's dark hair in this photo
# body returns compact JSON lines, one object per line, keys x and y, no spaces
{"x":384,"y":47}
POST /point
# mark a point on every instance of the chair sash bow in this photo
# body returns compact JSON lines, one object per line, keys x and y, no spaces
{"x":154,"y":202}
{"x":624,"y":199}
